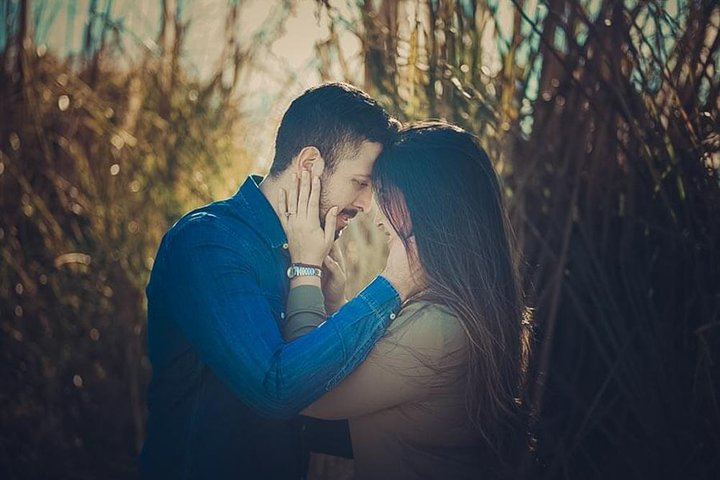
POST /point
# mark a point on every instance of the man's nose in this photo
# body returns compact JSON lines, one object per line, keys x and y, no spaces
{"x":364,"y":200}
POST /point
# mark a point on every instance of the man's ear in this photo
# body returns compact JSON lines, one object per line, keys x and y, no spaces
{"x":310,"y":159}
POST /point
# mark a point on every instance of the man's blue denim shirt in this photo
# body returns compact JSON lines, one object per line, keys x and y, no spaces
{"x":225,"y":385}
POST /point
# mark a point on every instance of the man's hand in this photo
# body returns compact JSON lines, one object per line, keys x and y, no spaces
{"x":334,"y":279}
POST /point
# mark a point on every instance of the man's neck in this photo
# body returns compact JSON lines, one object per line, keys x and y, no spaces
{"x":270,"y":187}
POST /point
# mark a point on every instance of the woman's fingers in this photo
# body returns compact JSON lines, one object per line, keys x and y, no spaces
{"x":292,"y":195}
{"x":313,"y":208}
{"x":330,"y":223}
{"x":299,"y":208}
{"x":304,"y":195}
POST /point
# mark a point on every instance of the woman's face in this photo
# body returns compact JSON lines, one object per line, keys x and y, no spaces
{"x":392,"y":235}
{"x":384,"y":224}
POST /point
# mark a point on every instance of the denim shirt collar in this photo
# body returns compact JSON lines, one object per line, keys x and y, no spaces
{"x":263,"y":216}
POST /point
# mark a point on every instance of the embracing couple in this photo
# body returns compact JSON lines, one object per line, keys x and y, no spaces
{"x":251,"y":338}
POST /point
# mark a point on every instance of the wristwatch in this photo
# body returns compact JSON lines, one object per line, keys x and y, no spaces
{"x":303,"y":270}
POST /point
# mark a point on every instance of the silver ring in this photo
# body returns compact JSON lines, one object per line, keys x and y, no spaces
{"x":287,"y":214}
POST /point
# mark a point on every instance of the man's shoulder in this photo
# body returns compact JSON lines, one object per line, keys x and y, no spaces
{"x":219,"y":220}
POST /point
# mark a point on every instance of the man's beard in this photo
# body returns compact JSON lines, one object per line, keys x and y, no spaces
{"x":324,"y":202}
{"x":325,"y":206}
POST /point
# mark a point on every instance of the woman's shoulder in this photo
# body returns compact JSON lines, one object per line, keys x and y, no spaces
{"x":427,"y":311}
{"x":430,"y":323}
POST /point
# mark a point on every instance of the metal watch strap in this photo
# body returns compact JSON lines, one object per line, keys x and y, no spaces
{"x":303,"y":270}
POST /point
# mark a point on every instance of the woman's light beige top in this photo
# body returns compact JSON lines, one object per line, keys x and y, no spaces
{"x":406,"y":402}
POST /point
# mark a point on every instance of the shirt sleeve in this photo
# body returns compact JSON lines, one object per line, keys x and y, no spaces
{"x":305,"y":311}
{"x":423,"y":350}
{"x":214,"y":297}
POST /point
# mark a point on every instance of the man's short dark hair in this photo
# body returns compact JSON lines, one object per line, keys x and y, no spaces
{"x":334,"y":117}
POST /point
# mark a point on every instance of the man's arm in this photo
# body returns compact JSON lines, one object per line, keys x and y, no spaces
{"x":388,"y":376}
{"x":404,"y":366}
{"x":222,"y":311}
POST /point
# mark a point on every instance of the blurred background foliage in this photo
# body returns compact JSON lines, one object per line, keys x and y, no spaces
{"x":601,"y":117}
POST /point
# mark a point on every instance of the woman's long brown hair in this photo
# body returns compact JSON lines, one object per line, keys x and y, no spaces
{"x":440,"y":176}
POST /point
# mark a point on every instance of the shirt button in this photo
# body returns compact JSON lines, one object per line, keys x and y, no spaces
{"x":392,"y":316}
{"x":282,"y":314}
{"x":285,"y":246}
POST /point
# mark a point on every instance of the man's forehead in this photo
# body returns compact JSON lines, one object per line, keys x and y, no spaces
{"x":359,"y":162}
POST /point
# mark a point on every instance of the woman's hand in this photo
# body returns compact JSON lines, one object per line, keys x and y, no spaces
{"x":334,"y":280}
{"x":300,"y":217}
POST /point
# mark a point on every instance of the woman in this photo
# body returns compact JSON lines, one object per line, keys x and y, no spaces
{"x":437,"y":397}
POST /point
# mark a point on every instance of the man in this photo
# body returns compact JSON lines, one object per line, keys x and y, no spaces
{"x":225,"y":385}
